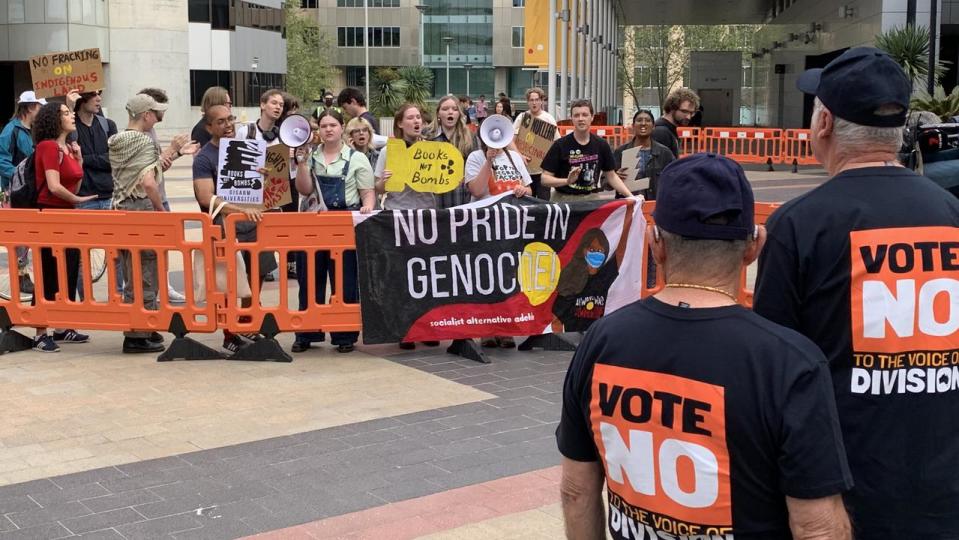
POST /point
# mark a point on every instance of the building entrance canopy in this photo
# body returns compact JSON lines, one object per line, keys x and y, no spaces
{"x":716,"y":12}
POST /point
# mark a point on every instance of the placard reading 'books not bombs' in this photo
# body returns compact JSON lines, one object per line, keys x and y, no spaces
{"x":502,"y":266}
{"x":426,"y":166}
{"x":56,"y":74}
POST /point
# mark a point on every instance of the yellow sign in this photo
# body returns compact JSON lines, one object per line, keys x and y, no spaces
{"x":57,"y":73}
{"x":536,"y":40}
{"x":539,"y":271}
{"x":426,"y":167}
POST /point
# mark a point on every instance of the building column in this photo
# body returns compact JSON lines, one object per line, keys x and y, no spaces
{"x":595,"y":33}
{"x":577,"y":49}
{"x":588,"y":50}
{"x":564,"y":61}
{"x":551,"y":66}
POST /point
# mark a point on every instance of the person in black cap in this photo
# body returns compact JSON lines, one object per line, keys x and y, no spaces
{"x":703,"y":418}
{"x":865,"y":266}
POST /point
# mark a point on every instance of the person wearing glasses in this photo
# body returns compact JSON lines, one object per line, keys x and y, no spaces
{"x":680,"y":106}
{"x":536,"y":101}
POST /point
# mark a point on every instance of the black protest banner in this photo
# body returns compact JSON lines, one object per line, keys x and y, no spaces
{"x":502,"y":266}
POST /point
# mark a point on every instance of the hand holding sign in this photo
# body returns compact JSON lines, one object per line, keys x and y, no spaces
{"x":426,"y":167}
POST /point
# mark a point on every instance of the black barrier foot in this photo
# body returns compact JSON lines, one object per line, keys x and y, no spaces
{"x":184,"y":348}
{"x":11,"y":340}
{"x":267,"y":349}
{"x":795,"y":166}
{"x":548,"y":342}
{"x":467,"y":348}
{"x":769,"y":163}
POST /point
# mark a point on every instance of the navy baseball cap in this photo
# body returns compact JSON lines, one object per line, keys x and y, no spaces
{"x":857,"y":83}
{"x":705,"y":196}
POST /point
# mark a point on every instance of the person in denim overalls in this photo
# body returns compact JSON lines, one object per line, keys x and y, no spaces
{"x":335,"y":178}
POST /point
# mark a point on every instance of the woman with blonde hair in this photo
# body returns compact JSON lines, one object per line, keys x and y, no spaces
{"x":449,"y":125}
{"x":359,"y":135}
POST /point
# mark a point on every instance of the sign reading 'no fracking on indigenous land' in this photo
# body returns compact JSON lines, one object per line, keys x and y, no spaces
{"x":56,"y":74}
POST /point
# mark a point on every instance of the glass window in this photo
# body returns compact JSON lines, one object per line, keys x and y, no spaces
{"x":199,"y":11}
{"x":519,"y":3}
{"x":201,"y":79}
{"x":519,"y":33}
{"x":306,"y":4}
{"x":220,"y":15}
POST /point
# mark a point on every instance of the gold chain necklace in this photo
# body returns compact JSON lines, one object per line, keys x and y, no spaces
{"x":725,"y":293}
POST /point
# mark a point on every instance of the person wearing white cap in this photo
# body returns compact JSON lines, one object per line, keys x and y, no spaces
{"x":16,"y":143}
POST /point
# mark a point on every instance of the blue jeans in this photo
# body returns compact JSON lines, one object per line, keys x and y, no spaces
{"x":323,"y":269}
{"x":943,"y":168}
{"x":99,"y":204}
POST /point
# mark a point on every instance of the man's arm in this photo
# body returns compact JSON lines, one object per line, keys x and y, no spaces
{"x":203,"y":191}
{"x":617,"y":183}
{"x":7,"y":166}
{"x":581,"y":491}
{"x":818,"y":519}
{"x":149,"y":183}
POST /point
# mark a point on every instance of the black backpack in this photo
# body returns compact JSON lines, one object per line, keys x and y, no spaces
{"x":23,"y":184}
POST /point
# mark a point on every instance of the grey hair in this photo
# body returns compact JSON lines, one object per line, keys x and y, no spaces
{"x":703,"y":262}
{"x":853,"y":139}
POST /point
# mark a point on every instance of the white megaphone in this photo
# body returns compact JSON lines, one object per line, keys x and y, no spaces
{"x":295,"y":131}
{"x":496,"y":131}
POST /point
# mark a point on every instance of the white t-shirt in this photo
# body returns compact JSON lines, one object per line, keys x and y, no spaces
{"x":241,"y":129}
{"x":543,"y":115}
{"x":506,"y":175}
{"x":408,"y":199}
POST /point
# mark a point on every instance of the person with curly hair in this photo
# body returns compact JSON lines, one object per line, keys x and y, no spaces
{"x":59,"y":172}
{"x":678,"y":110}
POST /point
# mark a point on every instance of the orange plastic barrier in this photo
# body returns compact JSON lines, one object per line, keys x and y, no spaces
{"x":744,"y":145}
{"x":762,"y":213}
{"x":690,"y":140}
{"x":614,"y":135}
{"x":113,"y":232}
{"x":284,"y":233}
{"x":797,"y":147}
{"x":165,"y":234}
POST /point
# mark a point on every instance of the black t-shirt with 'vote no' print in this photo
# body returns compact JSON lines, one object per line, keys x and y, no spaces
{"x":867,"y":266}
{"x":704,"y":421}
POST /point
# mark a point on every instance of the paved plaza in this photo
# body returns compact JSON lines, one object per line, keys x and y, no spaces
{"x":380,"y":443}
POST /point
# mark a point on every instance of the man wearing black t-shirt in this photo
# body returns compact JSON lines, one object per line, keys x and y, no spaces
{"x":577,"y":164}
{"x":865,"y":265}
{"x":704,"y":419}
{"x":678,"y":110}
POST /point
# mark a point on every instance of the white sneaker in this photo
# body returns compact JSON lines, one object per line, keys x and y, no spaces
{"x":176,"y":297}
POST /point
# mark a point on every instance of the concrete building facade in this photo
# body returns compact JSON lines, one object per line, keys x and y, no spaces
{"x":165,"y":44}
{"x":487,"y":41}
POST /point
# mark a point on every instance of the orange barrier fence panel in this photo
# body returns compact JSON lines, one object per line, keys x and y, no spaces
{"x":279,"y":234}
{"x":744,"y":145}
{"x":762,"y":213}
{"x":690,"y":140}
{"x":69,"y":233}
{"x":797,"y":147}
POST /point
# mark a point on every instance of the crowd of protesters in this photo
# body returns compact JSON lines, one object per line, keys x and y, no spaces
{"x":782,"y":428}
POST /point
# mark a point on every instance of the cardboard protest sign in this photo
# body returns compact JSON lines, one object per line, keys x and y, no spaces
{"x":502,"y":266}
{"x":631,"y":162}
{"x":533,"y":140}
{"x":56,"y":74}
{"x":239,"y":179}
{"x":276,"y":190}
{"x":426,"y":167}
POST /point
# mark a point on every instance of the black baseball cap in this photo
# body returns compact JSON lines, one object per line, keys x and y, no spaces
{"x":705,"y":196}
{"x":857,"y":83}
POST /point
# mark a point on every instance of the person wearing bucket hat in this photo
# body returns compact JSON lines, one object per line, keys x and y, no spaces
{"x":689,"y":372}
{"x":865,"y":266}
